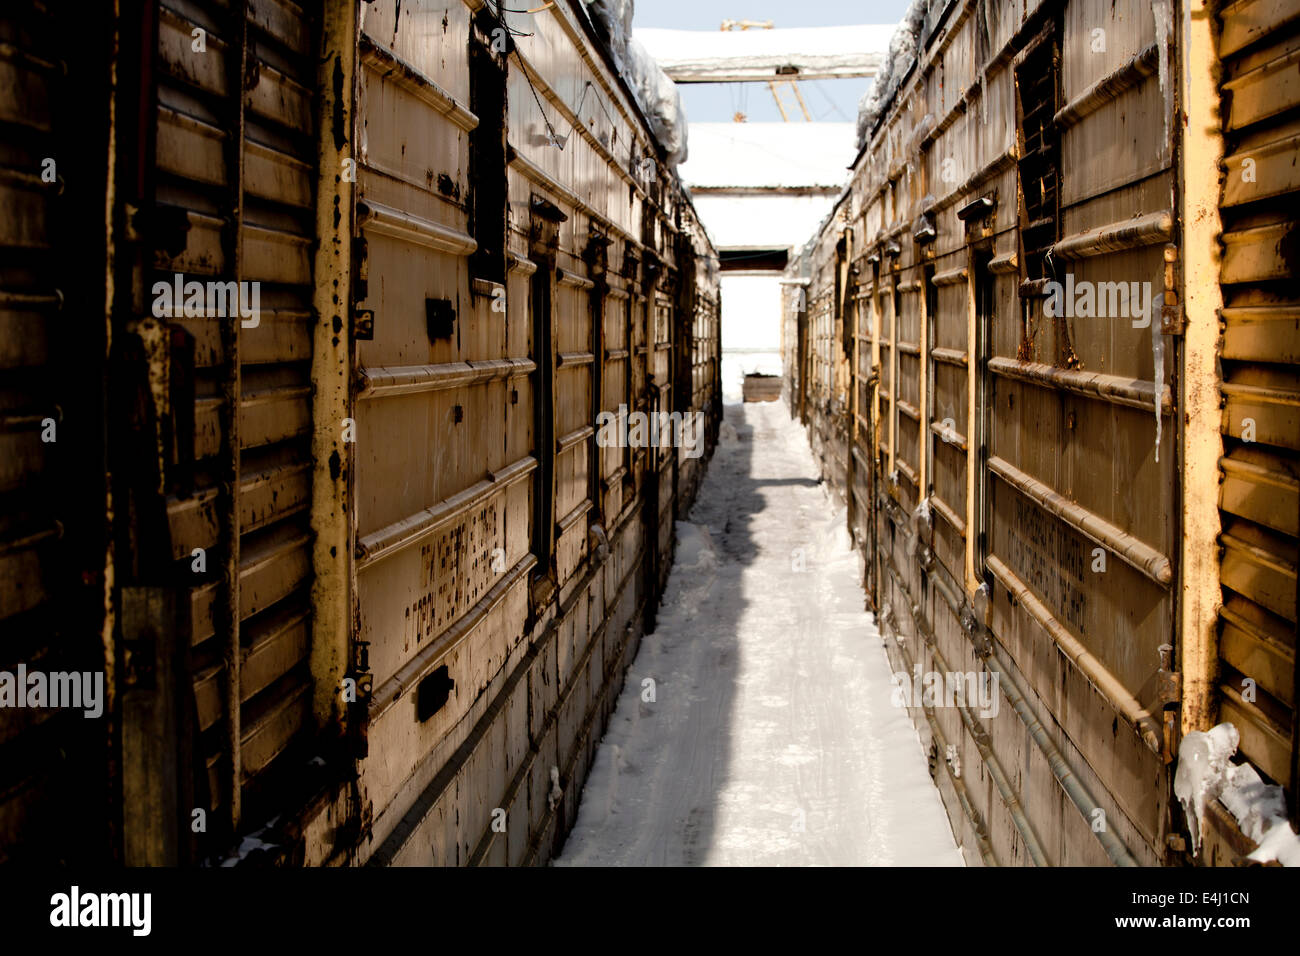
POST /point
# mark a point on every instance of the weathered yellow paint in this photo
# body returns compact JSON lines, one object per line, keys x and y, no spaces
{"x":972,"y":427}
{"x":332,"y":459}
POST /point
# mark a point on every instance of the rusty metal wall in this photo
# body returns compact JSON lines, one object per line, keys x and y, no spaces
{"x":1016,"y":475}
{"x":1259,"y":491}
{"x":185,"y":141}
{"x":233,"y":172}
{"x":827,"y":399}
{"x":373,"y":579}
{"x":703,"y":325}
{"x":494,"y":643}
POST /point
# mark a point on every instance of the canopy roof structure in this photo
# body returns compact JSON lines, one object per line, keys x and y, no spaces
{"x":809,"y":53}
{"x":763,"y":187}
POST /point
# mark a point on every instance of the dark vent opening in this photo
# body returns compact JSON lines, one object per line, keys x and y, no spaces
{"x":439,"y":318}
{"x":487,"y":147}
{"x":754,"y":260}
{"x":1038,"y":84}
{"x":433,"y":692}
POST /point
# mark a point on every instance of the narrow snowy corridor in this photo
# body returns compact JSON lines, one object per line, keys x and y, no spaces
{"x":755,"y":726}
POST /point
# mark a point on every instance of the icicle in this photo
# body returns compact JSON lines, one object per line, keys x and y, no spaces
{"x":1164,"y":23}
{"x":1204,"y":773}
{"x":556,"y":792}
{"x":921,"y":518}
{"x":1200,"y":777}
{"x":1158,"y":362}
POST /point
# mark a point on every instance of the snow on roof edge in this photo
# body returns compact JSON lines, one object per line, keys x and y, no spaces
{"x":655,"y":94}
{"x":903,"y":48}
{"x":851,"y":42}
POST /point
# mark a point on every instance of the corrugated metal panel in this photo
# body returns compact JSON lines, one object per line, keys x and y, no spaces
{"x":1260,"y":467}
{"x":235,"y":154}
{"x":425,"y":458}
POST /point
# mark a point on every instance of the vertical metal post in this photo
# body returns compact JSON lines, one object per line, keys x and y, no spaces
{"x":851,"y":317}
{"x":108,"y":636}
{"x":138,"y":550}
{"x":228,"y":610}
{"x":801,"y":331}
{"x":151,"y":699}
{"x":893,"y":372}
{"x":595,"y":255}
{"x":1197,"y":407}
{"x":924,"y":447}
{"x":974,"y":433}
{"x":331,"y":363}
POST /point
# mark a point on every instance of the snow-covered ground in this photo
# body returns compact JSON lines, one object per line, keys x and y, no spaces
{"x":755,"y":726}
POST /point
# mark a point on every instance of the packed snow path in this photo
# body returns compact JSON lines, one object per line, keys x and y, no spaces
{"x":770,"y":738}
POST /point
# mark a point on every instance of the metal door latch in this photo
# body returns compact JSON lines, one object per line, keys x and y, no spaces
{"x":363,"y":324}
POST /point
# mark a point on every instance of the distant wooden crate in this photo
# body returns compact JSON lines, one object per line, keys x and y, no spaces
{"x":762,"y":388}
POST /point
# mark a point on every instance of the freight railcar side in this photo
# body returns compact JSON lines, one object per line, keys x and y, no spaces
{"x":1007,"y":322}
{"x":506,"y":578}
{"x":372,"y":575}
{"x":1253,"y":661}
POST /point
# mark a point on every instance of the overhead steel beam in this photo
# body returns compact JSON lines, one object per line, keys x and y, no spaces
{"x":754,"y":56}
{"x":766,"y":190}
{"x":763,"y":69}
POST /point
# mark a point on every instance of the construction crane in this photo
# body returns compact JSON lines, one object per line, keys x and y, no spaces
{"x":730,"y":25}
{"x":794,"y":85}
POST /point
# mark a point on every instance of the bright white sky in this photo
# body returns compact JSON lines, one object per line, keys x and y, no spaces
{"x":775,"y":154}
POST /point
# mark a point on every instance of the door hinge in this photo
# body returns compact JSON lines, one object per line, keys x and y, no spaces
{"x":1168,"y":694}
{"x":1171,"y":315}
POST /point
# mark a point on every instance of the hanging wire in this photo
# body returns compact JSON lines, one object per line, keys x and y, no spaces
{"x":601,"y":103}
{"x":496,"y":13}
{"x":826,"y":96}
{"x":545,"y":6}
{"x":555,"y":137}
